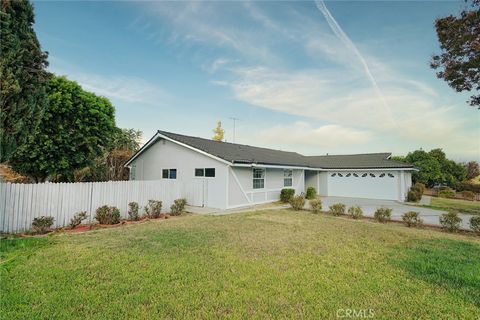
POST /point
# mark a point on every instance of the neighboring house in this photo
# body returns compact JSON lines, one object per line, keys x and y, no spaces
{"x":238,"y":175}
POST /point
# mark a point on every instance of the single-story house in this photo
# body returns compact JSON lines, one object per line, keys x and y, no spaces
{"x":240,"y":175}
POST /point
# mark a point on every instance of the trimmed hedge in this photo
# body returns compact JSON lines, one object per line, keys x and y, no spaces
{"x":383,"y":214}
{"x":286,"y":195}
{"x":412,"y":219}
{"x":337,"y":209}
{"x":42,"y":224}
{"x":355,"y":212}
{"x":446,"y":193}
{"x":107,"y":215}
{"x":311,"y":193}
{"x":475,"y":224}
{"x":450,"y":221}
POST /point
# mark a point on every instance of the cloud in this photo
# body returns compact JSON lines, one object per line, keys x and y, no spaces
{"x":116,"y":87}
{"x":302,"y":133}
{"x":297,"y":63}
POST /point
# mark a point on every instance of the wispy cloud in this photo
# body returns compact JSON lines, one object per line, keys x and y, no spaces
{"x":359,"y":96}
{"x":343,"y":37}
{"x":116,"y":87}
{"x":326,"y":136}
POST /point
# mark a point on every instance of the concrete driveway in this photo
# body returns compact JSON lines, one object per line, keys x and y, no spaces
{"x":429,"y":216}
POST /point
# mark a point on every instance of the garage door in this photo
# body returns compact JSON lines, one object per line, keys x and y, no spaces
{"x":364,"y":184}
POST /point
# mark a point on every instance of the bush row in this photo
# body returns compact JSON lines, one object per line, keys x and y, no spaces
{"x":111,"y":215}
{"x":449,"y":221}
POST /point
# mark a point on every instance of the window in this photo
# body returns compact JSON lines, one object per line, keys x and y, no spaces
{"x":348,"y":174}
{"x":205,"y":172}
{"x":355,"y":175}
{"x":333,"y":175}
{"x":199,"y":172}
{"x":169,"y":173}
{"x":210,"y":172}
{"x":382,"y":175}
{"x":364,"y":175}
{"x":258,"y":178}
{"x":340,"y":175}
{"x":372,"y":175}
{"x":287,"y":178}
{"x":391,"y":175}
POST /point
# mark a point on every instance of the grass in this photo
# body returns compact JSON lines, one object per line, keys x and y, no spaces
{"x":465,"y":206}
{"x":263,"y":264}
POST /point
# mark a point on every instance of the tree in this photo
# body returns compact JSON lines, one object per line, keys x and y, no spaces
{"x":459,"y":62}
{"x":435,"y":168}
{"x":110,"y":166}
{"x":76,"y":128}
{"x":219,"y":132}
{"x":473,"y":170}
{"x":23,"y":76}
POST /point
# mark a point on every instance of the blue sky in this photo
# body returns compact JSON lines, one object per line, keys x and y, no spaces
{"x":313,"y":77}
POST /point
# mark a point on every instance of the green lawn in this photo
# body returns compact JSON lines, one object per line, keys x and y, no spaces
{"x":465,"y":206}
{"x":264,"y":264}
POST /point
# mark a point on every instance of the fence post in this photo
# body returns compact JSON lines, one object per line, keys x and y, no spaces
{"x":91,"y":203}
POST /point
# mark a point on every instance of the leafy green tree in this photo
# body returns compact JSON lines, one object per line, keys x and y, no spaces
{"x":459,"y":62}
{"x":23,"y":76}
{"x":435,"y":168}
{"x":110,"y":166}
{"x":76,"y":128}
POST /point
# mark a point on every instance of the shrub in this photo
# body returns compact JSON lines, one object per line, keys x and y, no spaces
{"x":133,"y":211}
{"x":337,"y":209}
{"x":420,"y":187}
{"x":412,"y":219}
{"x":107,"y":215}
{"x":178,"y":206}
{"x":355,"y":212}
{"x":153,"y":209}
{"x":415,"y":193}
{"x":469,"y":195}
{"x":475,"y":188}
{"x":311,"y":193}
{"x":450,"y":221}
{"x":413,"y":196}
{"x":286,"y":195}
{"x":316,"y":205}
{"x":42,"y":224}
{"x":297,"y":202}
{"x":77,"y":219}
{"x":383,"y":214}
{"x":475,"y":224}
{"x":446,"y":193}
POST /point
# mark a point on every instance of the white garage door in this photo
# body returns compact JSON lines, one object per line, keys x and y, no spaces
{"x":364,"y":184}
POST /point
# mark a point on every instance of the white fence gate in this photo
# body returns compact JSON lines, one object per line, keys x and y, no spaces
{"x":21,"y":203}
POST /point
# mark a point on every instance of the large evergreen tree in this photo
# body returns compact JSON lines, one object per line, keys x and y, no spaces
{"x":23,"y":76}
{"x":77,"y":127}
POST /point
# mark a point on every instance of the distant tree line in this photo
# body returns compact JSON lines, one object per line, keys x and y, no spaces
{"x":50,"y":128}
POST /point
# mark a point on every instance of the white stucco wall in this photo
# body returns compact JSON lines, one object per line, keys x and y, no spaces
{"x":241,"y":178}
{"x":169,"y":155}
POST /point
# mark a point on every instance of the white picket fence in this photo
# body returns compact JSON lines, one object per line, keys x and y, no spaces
{"x":21,"y":203}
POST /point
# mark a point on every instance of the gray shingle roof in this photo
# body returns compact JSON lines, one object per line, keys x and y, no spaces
{"x":239,"y":153}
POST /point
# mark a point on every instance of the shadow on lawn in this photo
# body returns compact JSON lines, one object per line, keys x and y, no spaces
{"x":453,"y":265}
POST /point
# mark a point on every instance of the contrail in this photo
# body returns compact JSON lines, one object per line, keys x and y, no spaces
{"x":338,"y":31}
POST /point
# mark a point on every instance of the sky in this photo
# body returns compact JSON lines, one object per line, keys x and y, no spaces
{"x":314,"y":77}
